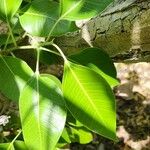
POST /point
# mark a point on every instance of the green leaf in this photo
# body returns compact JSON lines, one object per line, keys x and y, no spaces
{"x":82,"y":9}
{"x":99,"y":61}
{"x":42,"y":112}
{"x":72,"y":121}
{"x":50,"y":58}
{"x":16,"y":26}
{"x":8,"y":8}
{"x":50,"y":18}
{"x":4,"y":146}
{"x":44,"y":20}
{"x":14,"y":73}
{"x":80,"y":135}
{"x":20,"y":145}
{"x":4,"y":39}
{"x":110,"y":80}
{"x":17,"y":145}
{"x":76,"y":134}
{"x":64,"y":139}
{"x":90,"y":99}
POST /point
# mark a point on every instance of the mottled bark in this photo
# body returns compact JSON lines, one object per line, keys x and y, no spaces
{"x":122,"y":30}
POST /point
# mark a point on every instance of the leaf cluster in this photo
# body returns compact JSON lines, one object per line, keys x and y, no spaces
{"x":55,"y":111}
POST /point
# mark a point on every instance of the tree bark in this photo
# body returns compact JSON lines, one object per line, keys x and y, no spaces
{"x":122,"y":30}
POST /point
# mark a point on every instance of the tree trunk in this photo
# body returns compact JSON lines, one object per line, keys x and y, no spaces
{"x":122,"y":30}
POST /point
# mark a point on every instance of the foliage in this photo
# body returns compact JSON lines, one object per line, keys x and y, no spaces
{"x":55,"y":111}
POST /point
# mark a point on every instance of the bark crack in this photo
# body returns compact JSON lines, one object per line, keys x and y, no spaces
{"x":122,"y":27}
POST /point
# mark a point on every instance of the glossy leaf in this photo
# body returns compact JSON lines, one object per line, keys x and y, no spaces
{"x":50,"y":18}
{"x":99,"y":61}
{"x":110,"y":80}
{"x":8,"y":8}
{"x":14,"y":73}
{"x":90,"y":99}
{"x":82,"y":9}
{"x":44,"y":20}
{"x":42,"y":112}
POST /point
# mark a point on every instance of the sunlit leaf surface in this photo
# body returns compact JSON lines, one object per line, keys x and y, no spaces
{"x":42,"y":112}
{"x":99,"y":61}
{"x":90,"y":99}
{"x":8,"y":8}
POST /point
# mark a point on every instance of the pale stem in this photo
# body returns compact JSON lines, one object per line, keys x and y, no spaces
{"x":11,"y":33}
{"x":9,"y":147}
{"x":62,"y":54}
{"x":48,"y":50}
{"x":37,"y":62}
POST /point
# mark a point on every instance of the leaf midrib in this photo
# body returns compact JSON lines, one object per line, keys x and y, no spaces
{"x":71,"y":9}
{"x":60,"y":18}
{"x":5,"y":8}
{"x":86,"y":94}
{"x":38,"y":99}
{"x":39,"y":15}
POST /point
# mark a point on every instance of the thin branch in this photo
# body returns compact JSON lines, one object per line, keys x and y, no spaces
{"x":9,"y":147}
{"x":62,"y":54}
{"x":48,"y":50}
